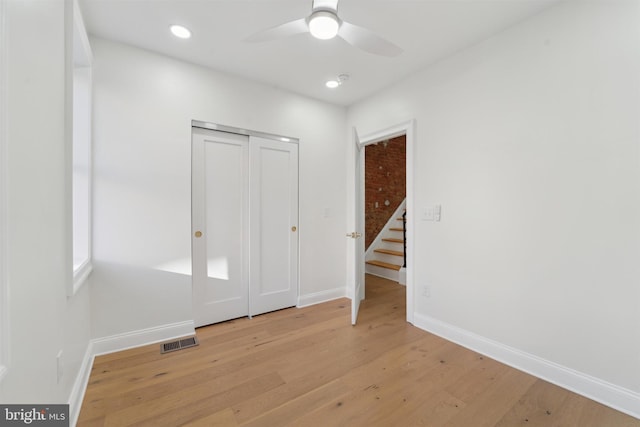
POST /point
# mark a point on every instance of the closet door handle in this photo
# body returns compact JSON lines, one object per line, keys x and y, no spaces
{"x":294,"y":228}
{"x":198,"y":234}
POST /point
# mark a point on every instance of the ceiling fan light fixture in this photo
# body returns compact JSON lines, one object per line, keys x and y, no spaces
{"x":323,"y":25}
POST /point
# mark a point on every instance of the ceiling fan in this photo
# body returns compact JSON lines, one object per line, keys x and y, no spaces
{"x":324,"y":23}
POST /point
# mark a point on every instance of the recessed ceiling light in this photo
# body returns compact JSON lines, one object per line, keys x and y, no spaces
{"x":180,"y":31}
{"x":323,"y":25}
{"x":332,"y":84}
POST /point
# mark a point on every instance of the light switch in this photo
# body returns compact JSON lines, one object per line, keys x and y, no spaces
{"x":431,"y":213}
{"x":428,"y":213}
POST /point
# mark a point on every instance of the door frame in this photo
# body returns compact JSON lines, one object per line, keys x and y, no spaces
{"x":198,"y":124}
{"x":408,"y":129}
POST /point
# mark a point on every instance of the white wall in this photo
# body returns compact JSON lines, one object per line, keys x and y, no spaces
{"x":42,"y":319}
{"x":530,"y":142}
{"x":4,"y":304}
{"x":143,"y":107}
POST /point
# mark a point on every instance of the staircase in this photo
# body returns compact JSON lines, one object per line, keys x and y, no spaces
{"x":385,"y":256}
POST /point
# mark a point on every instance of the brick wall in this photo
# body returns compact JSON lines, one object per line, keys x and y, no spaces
{"x":385,"y":180}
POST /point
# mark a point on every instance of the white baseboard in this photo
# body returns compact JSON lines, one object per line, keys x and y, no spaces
{"x":402,"y":276}
{"x":385,"y":273}
{"x":80,"y":385}
{"x":142,"y":337}
{"x":115,"y":343}
{"x":319,"y":297}
{"x":608,"y":394}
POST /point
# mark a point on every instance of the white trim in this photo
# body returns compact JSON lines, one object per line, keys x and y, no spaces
{"x":240,"y":131}
{"x":81,"y":274}
{"x":116,"y":343}
{"x":385,"y":273}
{"x":408,"y":129}
{"x":80,"y":385}
{"x":83,"y":39}
{"x":608,"y":394}
{"x":402,"y":276}
{"x":320,"y":297}
{"x":79,"y":60}
{"x":141,"y":337}
{"x":4,"y":291}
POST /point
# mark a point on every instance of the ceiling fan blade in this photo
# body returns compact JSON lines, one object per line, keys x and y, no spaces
{"x":367,"y":40}
{"x":284,"y":30}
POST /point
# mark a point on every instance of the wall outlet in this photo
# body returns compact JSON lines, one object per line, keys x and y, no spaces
{"x":426,"y":291}
{"x":59,"y":365}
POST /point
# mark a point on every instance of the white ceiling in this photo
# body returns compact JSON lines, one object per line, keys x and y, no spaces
{"x":427,"y":30}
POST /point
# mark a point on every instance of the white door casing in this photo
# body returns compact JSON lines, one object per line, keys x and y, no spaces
{"x":409,"y":130}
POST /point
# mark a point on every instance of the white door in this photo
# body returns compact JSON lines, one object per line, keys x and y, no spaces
{"x":245,"y":225}
{"x":220,"y":224}
{"x":274,"y":225}
{"x":357,"y":235}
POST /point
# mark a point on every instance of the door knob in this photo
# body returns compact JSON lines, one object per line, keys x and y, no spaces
{"x":198,"y":234}
{"x":294,"y":228}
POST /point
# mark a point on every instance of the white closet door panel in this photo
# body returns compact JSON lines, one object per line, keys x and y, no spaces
{"x":274,"y":223}
{"x":221,"y":214}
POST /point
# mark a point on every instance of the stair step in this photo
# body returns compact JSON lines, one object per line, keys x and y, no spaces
{"x":395,"y":229}
{"x":393,"y":240}
{"x":401,"y":219}
{"x":384,"y":265}
{"x":389,"y":252}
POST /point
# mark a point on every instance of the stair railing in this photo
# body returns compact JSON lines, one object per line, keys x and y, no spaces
{"x":404,"y":238}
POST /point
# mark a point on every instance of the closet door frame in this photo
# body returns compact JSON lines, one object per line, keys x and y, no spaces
{"x":198,"y":237}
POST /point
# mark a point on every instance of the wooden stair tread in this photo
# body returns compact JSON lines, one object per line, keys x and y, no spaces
{"x":393,"y":240}
{"x":389,"y":252}
{"x":395,"y":229}
{"x":384,"y":265}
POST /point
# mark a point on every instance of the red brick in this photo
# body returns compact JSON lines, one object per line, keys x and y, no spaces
{"x":385,"y":168}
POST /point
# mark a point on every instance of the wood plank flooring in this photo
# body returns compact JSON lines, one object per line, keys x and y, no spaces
{"x":310,"y":367}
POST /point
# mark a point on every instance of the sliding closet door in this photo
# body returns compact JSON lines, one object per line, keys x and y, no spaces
{"x":274,"y":225}
{"x":220,"y":226}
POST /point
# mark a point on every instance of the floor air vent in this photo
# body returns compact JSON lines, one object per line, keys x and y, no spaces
{"x":178,"y":344}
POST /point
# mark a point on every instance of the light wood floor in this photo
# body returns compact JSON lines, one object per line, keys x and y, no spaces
{"x":310,"y":367}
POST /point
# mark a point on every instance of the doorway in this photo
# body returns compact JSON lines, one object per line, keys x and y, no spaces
{"x":385,"y":192}
{"x":244,"y":220}
{"x":356,"y":289}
